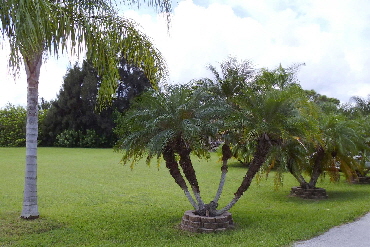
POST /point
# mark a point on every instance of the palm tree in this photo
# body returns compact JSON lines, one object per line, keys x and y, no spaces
{"x":174,"y":123}
{"x":339,"y":139}
{"x":38,"y":28}
{"x":266,"y":120}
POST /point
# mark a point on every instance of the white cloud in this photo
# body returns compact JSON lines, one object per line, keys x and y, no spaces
{"x":331,"y":37}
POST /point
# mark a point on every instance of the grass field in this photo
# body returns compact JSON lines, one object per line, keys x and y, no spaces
{"x":87,"y":198}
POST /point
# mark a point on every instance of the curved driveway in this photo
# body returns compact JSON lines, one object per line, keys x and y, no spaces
{"x":355,"y":234}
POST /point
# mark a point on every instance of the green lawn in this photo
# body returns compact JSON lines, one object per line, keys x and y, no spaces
{"x":87,"y":198}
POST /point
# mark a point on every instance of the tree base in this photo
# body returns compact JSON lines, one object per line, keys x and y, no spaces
{"x":203,"y":224}
{"x":315,"y":193}
{"x":31,"y":217}
{"x":361,"y":180}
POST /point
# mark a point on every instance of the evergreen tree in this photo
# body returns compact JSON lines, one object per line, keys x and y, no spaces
{"x":73,"y":119}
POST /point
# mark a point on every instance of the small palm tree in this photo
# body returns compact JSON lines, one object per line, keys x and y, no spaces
{"x":266,"y":120}
{"x":173,"y":123}
{"x":339,"y":140}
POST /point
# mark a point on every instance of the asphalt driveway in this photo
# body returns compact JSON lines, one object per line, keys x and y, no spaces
{"x":355,"y":234}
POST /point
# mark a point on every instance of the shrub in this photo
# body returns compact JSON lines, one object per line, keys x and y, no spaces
{"x":13,"y":126}
{"x":73,"y":138}
{"x":68,"y":138}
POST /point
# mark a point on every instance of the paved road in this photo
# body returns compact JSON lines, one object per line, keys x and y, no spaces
{"x":355,"y":234}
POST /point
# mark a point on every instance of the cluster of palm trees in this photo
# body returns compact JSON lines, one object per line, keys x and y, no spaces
{"x":264,"y":116}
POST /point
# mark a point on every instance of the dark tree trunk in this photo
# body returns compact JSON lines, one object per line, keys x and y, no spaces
{"x":259,"y":157}
{"x":173,"y":167}
{"x":189,"y":172}
{"x":188,"y":169}
{"x":226,"y":153}
{"x":317,"y":167}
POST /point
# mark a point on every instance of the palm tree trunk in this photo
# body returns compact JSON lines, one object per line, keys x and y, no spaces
{"x":173,"y":167}
{"x":317,"y":167}
{"x":259,"y":157}
{"x":30,"y":205}
{"x":226,"y":155}
{"x":189,"y":172}
{"x":297,"y":175}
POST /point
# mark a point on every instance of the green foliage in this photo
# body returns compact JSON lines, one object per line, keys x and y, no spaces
{"x":270,"y":104}
{"x":12,"y":126}
{"x":359,"y":109}
{"x":160,"y":118}
{"x":234,"y":76}
{"x":75,"y":106}
{"x":342,"y":139}
{"x":333,"y":143}
{"x":68,"y":138}
{"x":327,"y":104}
{"x":91,"y":139}
{"x":72,"y":138}
{"x":32,"y":27}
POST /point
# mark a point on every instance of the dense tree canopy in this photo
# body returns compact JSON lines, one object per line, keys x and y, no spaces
{"x":75,"y":109}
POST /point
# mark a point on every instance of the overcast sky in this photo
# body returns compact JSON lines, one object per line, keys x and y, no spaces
{"x":331,"y":37}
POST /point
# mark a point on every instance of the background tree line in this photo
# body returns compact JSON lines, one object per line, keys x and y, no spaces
{"x":74,"y":119}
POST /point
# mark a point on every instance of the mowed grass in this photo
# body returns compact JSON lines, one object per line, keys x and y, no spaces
{"x":87,"y":198}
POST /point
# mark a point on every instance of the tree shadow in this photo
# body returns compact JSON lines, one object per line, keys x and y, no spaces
{"x":12,"y":225}
{"x":237,"y":164}
{"x":340,"y":196}
{"x":345,"y":195}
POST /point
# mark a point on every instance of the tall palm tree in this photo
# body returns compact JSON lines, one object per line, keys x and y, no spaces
{"x":174,"y":123}
{"x":37,"y":28}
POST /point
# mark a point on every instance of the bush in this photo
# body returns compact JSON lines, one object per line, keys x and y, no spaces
{"x":73,"y":138}
{"x":13,"y":126}
{"x":90,"y":139}
{"x":68,"y":138}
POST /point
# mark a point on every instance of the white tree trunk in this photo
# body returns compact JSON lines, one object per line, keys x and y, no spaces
{"x":199,"y":199}
{"x":222,"y":182}
{"x":30,"y":206}
{"x":228,"y":206}
{"x":191,"y":200}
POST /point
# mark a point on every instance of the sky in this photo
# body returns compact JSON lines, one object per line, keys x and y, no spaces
{"x":331,"y":37}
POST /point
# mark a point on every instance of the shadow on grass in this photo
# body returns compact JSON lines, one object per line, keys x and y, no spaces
{"x":12,"y":225}
{"x":340,"y":196}
{"x":345,"y":195}
{"x":237,"y":164}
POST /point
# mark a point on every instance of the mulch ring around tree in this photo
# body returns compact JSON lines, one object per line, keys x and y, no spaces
{"x":315,"y":193}
{"x":206,"y":224}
